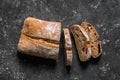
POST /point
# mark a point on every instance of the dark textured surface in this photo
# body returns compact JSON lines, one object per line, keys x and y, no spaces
{"x":103,"y":14}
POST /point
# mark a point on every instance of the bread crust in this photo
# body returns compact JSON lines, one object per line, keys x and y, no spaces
{"x":40,"y":38}
{"x":68,"y":47}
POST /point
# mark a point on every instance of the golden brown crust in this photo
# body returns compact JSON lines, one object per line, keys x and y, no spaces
{"x":42,"y":29}
{"x":68,"y":47}
{"x":36,"y":41}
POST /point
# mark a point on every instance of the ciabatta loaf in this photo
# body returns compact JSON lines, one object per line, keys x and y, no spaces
{"x":40,"y":38}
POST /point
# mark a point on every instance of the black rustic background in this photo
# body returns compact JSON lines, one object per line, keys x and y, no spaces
{"x":103,"y":14}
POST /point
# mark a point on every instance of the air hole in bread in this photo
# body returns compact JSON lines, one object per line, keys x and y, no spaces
{"x":83,"y":40}
{"x":91,"y":42}
{"x":83,"y":48}
{"x":77,"y":29}
{"x":95,"y":33}
{"x":77,"y":35}
{"x":94,"y":47}
{"x":99,"y":47}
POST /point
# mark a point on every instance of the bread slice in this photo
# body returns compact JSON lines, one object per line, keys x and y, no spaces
{"x":82,"y":42}
{"x":87,"y":41}
{"x":94,"y":39}
{"x":40,"y":38}
{"x":68,"y":47}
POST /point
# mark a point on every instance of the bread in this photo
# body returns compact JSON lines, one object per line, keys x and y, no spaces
{"x":40,"y":38}
{"x":68,"y":47}
{"x":94,"y":39}
{"x":82,"y":42}
{"x":86,"y":39}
